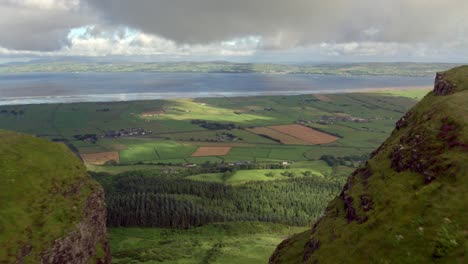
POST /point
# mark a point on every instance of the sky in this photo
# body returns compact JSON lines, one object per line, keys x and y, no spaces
{"x":236,"y":30}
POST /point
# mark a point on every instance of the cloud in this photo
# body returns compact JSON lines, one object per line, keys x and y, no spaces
{"x":292,"y":23}
{"x":303,"y":29}
{"x":121,"y":41}
{"x":39,"y":24}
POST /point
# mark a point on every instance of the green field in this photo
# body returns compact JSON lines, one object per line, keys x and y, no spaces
{"x":144,"y":150}
{"x":411,"y":93}
{"x":248,"y":243}
{"x":174,"y":137}
{"x":243,"y":176}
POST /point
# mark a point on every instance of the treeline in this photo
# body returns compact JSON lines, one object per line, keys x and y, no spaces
{"x":140,"y":199}
{"x":346,"y":161}
{"x":12,"y":112}
{"x":270,"y":138}
{"x":87,"y":137}
{"x":216,"y":167}
{"x":214,"y":125}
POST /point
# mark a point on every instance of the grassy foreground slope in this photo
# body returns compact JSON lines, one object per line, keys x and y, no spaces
{"x":407,"y":204}
{"x":43,"y":189}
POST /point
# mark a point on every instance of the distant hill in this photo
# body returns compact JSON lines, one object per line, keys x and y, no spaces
{"x":408,"y":203}
{"x":51,"y":211}
{"x":377,"y":69}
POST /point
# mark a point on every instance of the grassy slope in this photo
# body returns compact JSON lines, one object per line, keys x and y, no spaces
{"x":410,"y":220}
{"x":35,"y":176}
{"x":242,"y":242}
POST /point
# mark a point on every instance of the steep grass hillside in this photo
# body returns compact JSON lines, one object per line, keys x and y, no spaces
{"x":51,"y":211}
{"x":407,"y":204}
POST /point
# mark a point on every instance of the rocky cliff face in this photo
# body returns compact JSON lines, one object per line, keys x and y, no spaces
{"x":442,"y":86}
{"x":86,"y":244}
{"x":51,"y":211}
{"x":407,"y":204}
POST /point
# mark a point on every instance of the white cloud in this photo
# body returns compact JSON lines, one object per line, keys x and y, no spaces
{"x":86,"y":41}
{"x":44,"y":4}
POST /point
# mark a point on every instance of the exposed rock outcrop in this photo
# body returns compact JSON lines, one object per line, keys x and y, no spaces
{"x":403,"y":122}
{"x":89,"y":242}
{"x":442,"y":86}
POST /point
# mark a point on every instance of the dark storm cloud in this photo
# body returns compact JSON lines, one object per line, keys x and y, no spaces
{"x":289,"y":23}
{"x":40,"y":25}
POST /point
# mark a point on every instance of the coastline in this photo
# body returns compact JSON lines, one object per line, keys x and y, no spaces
{"x":189,"y":95}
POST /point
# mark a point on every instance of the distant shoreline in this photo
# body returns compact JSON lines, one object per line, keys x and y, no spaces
{"x":109,"y":98}
{"x":20,"y":89}
{"x":384,"y":89}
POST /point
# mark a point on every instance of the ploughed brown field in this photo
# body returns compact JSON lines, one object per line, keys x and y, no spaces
{"x":306,"y":133}
{"x":100,"y":158}
{"x":295,"y":134}
{"x":281,"y":137}
{"x":211,"y":151}
{"x":322,"y":98}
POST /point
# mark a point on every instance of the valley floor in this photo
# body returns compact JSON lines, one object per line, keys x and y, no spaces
{"x":226,"y":243}
{"x":216,"y":180}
